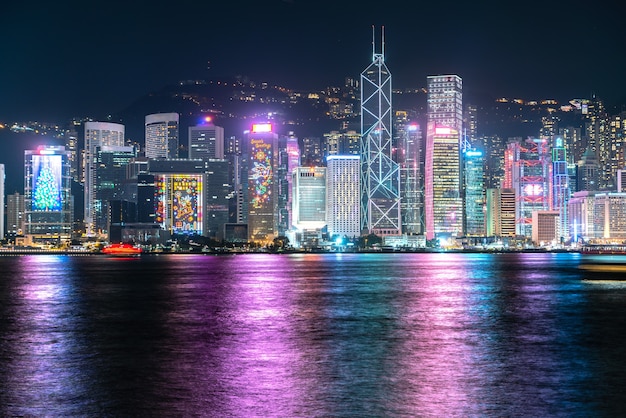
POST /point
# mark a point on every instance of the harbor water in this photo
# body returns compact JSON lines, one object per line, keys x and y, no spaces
{"x":310,"y":335}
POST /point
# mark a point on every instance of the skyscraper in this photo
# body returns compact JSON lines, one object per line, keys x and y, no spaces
{"x":342,"y":196}
{"x":162,"y":135}
{"x":97,"y":134}
{"x":474,"y":216}
{"x":309,"y":198}
{"x":409,"y":159}
{"x":380,"y":175}
{"x":443,"y":160}
{"x":206,"y":141}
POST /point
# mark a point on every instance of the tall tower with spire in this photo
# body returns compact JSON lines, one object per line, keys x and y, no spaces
{"x":380,"y":175}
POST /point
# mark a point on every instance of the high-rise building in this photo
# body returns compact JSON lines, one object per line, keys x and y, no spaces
{"x":206,"y":141}
{"x":110,"y":167}
{"x":262,"y":143}
{"x":342,"y":195}
{"x":581,"y":215}
{"x":15,"y":214}
{"x":474,"y":215}
{"x":309,"y":202}
{"x":609,"y":215}
{"x":587,"y":177}
{"x":162,"y":135}
{"x":47,"y":193}
{"x":443,"y":203}
{"x":380,"y":174}
{"x":409,"y":159}
{"x":560,"y":184}
{"x":97,"y":134}
{"x":527,"y":171}
{"x":500,"y":213}
{"x":342,"y":142}
{"x":546,"y":227}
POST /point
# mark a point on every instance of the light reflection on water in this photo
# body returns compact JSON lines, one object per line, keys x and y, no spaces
{"x":309,"y":335}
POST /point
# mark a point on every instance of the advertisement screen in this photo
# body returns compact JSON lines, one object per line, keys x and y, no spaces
{"x":261,"y":173}
{"x":47,"y":183}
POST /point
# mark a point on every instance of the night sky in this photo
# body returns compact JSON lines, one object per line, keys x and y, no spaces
{"x":67,"y":58}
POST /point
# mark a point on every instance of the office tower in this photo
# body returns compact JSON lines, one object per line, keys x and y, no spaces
{"x":621,"y":180}
{"x":573,"y":141}
{"x":72,"y":145}
{"x":2,"y":180}
{"x":293,"y":162}
{"x":179,"y":195}
{"x":442,"y":191}
{"x":527,"y":171}
{"x":343,"y":195}
{"x":500,"y":213}
{"x":616,"y":137}
{"x":162,"y":135}
{"x":219,"y":192}
{"x":110,"y":168}
{"x":493,"y":152}
{"x":47,"y":194}
{"x":342,"y":142}
{"x":309,"y":204}
{"x":546,"y":227}
{"x":560,"y":184}
{"x":15,"y":215}
{"x":470,"y":125}
{"x":596,"y":131}
{"x":474,"y":216}
{"x":97,"y":134}
{"x":206,"y":141}
{"x":262,"y":143}
{"x":146,"y":201}
{"x":409,"y":159}
{"x":587,"y":175}
{"x":549,"y":127}
{"x":581,"y":215}
{"x":380,"y":175}
{"x":443,"y":204}
{"x":312,"y":151}
{"x":609,"y":215}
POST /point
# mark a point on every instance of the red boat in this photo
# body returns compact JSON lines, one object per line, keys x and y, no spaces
{"x":122,"y":249}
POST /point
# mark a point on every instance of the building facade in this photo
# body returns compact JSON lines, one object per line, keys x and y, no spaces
{"x":380,"y":174}
{"x":206,"y":141}
{"x":161,"y":130}
{"x":342,"y":196}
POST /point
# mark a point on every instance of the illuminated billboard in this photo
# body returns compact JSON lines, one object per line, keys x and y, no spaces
{"x":179,"y":203}
{"x":47,"y":183}
{"x":261,"y":173}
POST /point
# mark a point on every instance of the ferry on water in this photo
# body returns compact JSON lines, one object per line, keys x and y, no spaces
{"x":604,"y":261}
{"x":122,"y":250}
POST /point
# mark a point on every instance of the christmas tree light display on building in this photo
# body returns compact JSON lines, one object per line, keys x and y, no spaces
{"x":46,"y":193}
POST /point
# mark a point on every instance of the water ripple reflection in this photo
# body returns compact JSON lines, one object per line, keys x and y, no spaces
{"x":309,"y":335}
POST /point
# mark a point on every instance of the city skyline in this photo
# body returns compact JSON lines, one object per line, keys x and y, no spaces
{"x":66,"y":60}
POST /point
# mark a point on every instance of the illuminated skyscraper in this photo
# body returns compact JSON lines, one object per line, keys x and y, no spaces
{"x":262,"y":162}
{"x":162,"y":135}
{"x":474,"y":193}
{"x":342,"y":195}
{"x":409,"y":159}
{"x":206,"y":141}
{"x":527,"y":171}
{"x":15,"y":214}
{"x":560,"y":184}
{"x":380,"y":175}
{"x":309,"y":198}
{"x":48,"y":198}
{"x":97,"y":134}
{"x":444,"y":211}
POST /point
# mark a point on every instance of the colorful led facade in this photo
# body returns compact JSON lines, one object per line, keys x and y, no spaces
{"x":380,"y":174}
{"x":180,"y":203}
{"x":47,"y":190}
{"x":262,"y":182}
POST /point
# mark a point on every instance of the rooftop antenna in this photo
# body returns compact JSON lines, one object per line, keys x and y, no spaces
{"x":383,"y":42}
{"x":373,"y":44}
